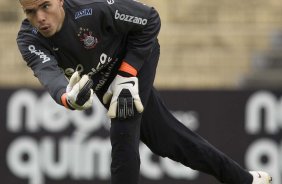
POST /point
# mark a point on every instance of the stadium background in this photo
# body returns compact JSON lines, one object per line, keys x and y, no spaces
{"x":220,"y":52}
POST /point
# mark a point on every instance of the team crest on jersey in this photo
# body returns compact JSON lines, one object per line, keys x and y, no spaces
{"x":87,"y":38}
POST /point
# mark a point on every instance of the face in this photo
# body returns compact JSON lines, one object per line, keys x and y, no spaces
{"x":45,"y":15}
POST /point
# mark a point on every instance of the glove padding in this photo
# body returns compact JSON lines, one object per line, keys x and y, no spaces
{"x":124,"y":96}
{"x":79,"y":92}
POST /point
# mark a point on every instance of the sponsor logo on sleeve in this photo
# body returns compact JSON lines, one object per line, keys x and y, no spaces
{"x":34,"y":30}
{"x":130,"y":18}
{"x":39,"y":53}
{"x":83,"y":13}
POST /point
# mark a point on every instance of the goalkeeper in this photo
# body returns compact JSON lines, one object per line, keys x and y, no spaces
{"x":110,"y":48}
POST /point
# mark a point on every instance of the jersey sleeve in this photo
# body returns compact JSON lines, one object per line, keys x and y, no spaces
{"x":140,"y":23}
{"x":43,"y":65}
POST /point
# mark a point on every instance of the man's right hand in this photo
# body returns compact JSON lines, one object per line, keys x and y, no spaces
{"x":79,"y":93}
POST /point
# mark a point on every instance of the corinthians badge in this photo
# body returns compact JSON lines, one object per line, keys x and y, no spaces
{"x":86,"y":36}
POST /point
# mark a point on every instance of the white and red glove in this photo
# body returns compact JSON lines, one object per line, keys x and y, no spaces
{"x":79,"y":92}
{"x":123,"y":95}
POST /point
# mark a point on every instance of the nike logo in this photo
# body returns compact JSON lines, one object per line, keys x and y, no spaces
{"x":55,"y":48}
{"x":129,"y":82}
{"x":259,"y":175}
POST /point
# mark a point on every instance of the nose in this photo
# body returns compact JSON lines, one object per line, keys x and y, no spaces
{"x":41,"y":17}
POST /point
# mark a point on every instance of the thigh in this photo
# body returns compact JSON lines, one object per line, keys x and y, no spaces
{"x":147,"y":74}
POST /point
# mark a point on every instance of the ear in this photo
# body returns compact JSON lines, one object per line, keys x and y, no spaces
{"x":61,"y":2}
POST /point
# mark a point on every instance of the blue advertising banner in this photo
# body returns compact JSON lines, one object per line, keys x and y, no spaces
{"x":43,"y":143}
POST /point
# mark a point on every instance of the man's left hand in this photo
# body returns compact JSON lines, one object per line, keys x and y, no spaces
{"x":124,"y":96}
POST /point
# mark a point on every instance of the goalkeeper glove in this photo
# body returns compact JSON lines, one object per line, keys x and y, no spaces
{"x":124,"y":96}
{"x":79,"y":93}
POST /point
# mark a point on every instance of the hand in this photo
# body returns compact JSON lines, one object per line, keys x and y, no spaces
{"x":124,"y":95}
{"x":79,"y":94}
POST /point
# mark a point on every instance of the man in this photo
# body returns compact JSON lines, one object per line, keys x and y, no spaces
{"x":110,"y":48}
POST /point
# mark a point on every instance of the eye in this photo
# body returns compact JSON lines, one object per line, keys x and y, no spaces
{"x":46,"y":6}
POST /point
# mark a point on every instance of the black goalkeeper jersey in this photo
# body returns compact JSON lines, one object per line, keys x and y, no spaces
{"x":95,"y":37}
